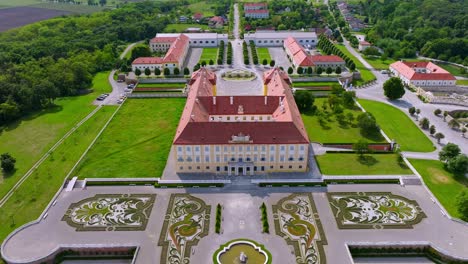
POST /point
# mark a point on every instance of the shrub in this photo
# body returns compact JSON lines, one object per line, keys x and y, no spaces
{"x":272,"y":63}
{"x":167,"y":71}
{"x":265,"y":224}
{"x":7,"y":162}
{"x":424,"y":123}
{"x":157,"y":72}
{"x":218,"y":219}
{"x":290,"y":70}
{"x":412,"y":110}
{"x":186,"y":71}
{"x":437,"y":112}
{"x":462,"y":204}
{"x":176,"y":71}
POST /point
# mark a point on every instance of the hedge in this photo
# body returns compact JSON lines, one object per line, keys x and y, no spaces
{"x":111,"y":183}
{"x":187,"y":185}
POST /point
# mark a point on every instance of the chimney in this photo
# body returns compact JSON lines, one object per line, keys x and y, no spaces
{"x":280,"y":100}
{"x":266,"y":100}
{"x":214,"y":100}
{"x":231,"y":100}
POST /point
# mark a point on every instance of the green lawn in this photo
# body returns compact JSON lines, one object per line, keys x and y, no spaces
{"x":179,"y":28}
{"x":441,"y":183}
{"x":462,"y":82}
{"x":35,"y":193}
{"x":379,"y":64}
{"x":452,"y":69}
{"x":332,"y":131}
{"x":137,"y":141}
{"x":31,"y":137}
{"x":202,"y":7}
{"x":263,"y":53}
{"x":366,"y":74}
{"x":352,"y":164}
{"x":309,"y":84}
{"x":209,"y":54}
{"x":398,"y":126}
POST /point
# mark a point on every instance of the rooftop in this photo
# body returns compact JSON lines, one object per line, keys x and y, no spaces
{"x":421,"y":70}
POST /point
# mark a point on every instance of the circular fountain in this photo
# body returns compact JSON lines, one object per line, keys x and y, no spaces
{"x":242,"y":251}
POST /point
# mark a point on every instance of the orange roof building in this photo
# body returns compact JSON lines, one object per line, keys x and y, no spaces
{"x":242,"y":135}
{"x":300,"y":57}
{"x":422,"y":73}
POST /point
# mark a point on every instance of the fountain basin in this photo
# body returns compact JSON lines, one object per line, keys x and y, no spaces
{"x":229,"y":253}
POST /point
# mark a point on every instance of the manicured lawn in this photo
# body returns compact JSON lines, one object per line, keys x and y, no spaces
{"x":378,"y":64}
{"x":35,"y":193}
{"x":209,"y":54}
{"x":441,"y":183}
{"x":202,"y":7}
{"x":398,"y":126}
{"x":462,"y":82}
{"x":137,"y":141}
{"x":332,"y":131}
{"x":182,"y":27}
{"x":29,"y":138}
{"x":308,"y":84}
{"x":352,"y":164}
{"x":366,"y":74}
{"x":263,"y":53}
{"x":452,"y":69}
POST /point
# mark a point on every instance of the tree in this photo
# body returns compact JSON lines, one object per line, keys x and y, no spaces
{"x":304,"y":100}
{"x":348,"y":98}
{"x":272,"y":63}
{"x":424,"y":123}
{"x":463,"y":130}
{"x":338,"y":70}
{"x":137,"y":72}
{"x":290,"y":70}
{"x":329,"y":70}
{"x":157,"y":72}
{"x":140,"y":51}
{"x":458,"y":165}
{"x":186,"y":71}
{"x":319,"y":70}
{"x":367,"y":123}
{"x":309,"y":70}
{"x":445,"y":115}
{"x":454,"y":124}
{"x":448,"y":152}
{"x":432,"y":130}
{"x":361,"y":147}
{"x":412,"y":110}
{"x":265,"y":62}
{"x":203,"y":63}
{"x":462,"y":204}
{"x":176,"y":71}
{"x":437,"y":112}
{"x":439,"y":136}
{"x":7,"y":162}
{"x":300,"y":70}
{"x":196,"y":67}
{"x":393,"y":88}
{"x":103,"y":2}
{"x":211,"y":62}
{"x":166,"y":71}
{"x":147,"y":72}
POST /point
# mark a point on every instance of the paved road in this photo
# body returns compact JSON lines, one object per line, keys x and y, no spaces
{"x":128,"y":48}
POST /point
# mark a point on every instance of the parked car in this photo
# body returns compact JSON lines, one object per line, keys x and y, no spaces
{"x":131,"y":86}
{"x":127,"y":90}
{"x":120,"y":101}
{"x":101,"y":98}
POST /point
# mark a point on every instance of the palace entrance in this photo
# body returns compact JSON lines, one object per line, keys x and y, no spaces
{"x":241,"y":168}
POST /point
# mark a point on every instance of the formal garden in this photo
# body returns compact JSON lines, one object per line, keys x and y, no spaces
{"x":297,"y":221}
{"x":187,"y":221}
{"x":143,"y":149}
{"x":209,"y":56}
{"x":374,"y":210}
{"x":111,"y":212}
{"x":242,"y":251}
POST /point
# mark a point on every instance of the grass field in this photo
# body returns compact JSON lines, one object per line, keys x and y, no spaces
{"x":179,"y":28}
{"x":352,"y":164}
{"x":209,"y":54}
{"x":452,"y":69}
{"x":441,"y":183}
{"x":398,"y":126}
{"x":202,"y":7}
{"x":379,"y":64}
{"x":309,"y":84}
{"x":35,"y":193}
{"x":462,"y":82}
{"x":29,"y":138}
{"x":333,"y":131}
{"x":263,"y":53}
{"x":137,"y":141}
{"x":366,"y":74}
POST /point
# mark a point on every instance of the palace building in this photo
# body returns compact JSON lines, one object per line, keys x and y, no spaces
{"x":240,"y":135}
{"x":422,"y":74}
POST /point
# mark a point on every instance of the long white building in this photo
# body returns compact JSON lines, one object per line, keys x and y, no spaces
{"x":277,"y":38}
{"x":162,"y":41}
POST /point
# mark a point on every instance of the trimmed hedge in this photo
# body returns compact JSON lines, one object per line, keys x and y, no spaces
{"x":218,"y":219}
{"x":265,"y":224}
{"x":111,"y":183}
{"x":327,"y":182}
{"x":188,"y":185}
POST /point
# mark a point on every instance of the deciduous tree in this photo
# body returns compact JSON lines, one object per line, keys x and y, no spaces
{"x":393,"y":88}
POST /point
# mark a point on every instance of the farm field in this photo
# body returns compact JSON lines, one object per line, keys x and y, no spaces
{"x":378,"y":64}
{"x":209,"y":54}
{"x":179,"y":28}
{"x":352,"y":164}
{"x":263,"y":53}
{"x":331,"y":131}
{"x":143,"y":149}
{"x":441,"y":183}
{"x":29,"y":138}
{"x":35,"y":193}
{"x":366,"y":74}
{"x":398,"y":126}
{"x":19,"y":16}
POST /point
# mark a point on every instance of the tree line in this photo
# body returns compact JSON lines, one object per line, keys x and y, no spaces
{"x":58,"y":57}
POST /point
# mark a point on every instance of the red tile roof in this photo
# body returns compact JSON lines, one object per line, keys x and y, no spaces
{"x":148,"y":60}
{"x":195,"y":126}
{"x":177,"y":49}
{"x":256,"y":11}
{"x":259,"y":4}
{"x":163,"y":39}
{"x":326,"y":58}
{"x":435,"y":72}
{"x":364,"y":43}
{"x":300,"y":56}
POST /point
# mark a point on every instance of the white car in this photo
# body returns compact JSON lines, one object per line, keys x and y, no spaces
{"x":120,"y":101}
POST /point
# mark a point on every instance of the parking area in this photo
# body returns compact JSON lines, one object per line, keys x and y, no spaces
{"x":193,"y":57}
{"x":278,"y":54}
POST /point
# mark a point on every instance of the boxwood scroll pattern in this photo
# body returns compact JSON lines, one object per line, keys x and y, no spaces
{"x":375,"y":210}
{"x":297,"y":221}
{"x":111,"y":212}
{"x":187,"y":220}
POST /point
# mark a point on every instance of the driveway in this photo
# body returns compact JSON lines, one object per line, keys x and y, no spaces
{"x":280,"y":57}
